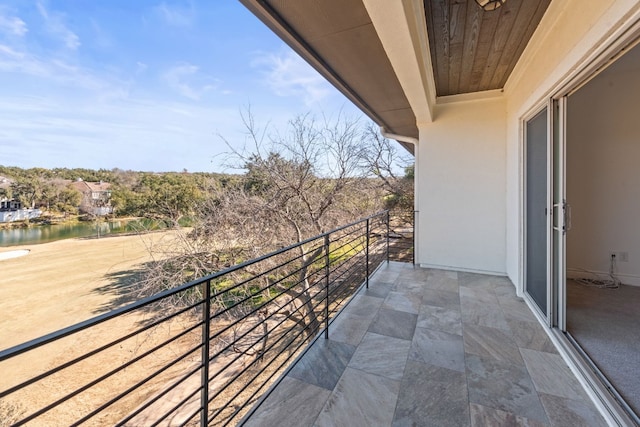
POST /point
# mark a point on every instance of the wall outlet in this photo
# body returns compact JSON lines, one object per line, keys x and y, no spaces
{"x":619,"y":256}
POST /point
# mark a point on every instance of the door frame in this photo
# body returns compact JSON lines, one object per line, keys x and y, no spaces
{"x":612,"y":46}
{"x":547,"y":104}
{"x":560,"y":213}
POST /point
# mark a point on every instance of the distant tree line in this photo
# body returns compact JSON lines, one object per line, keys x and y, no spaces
{"x":312,"y":177}
{"x":165,"y":196}
{"x":33,"y":190}
{"x":356,"y":168}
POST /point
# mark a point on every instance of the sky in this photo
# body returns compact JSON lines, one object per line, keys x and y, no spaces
{"x":144,"y":85}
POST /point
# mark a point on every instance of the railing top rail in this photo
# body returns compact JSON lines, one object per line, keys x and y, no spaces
{"x":53,"y":336}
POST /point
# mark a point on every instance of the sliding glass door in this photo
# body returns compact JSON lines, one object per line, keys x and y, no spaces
{"x":537,"y":210}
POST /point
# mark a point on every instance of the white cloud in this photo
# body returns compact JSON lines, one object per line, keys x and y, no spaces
{"x":187,"y":80}
{"x":137,"y":134}
{"x":13,"y":25}
{"x":175,"y":15}
{"x":289,"y":75}
{"x":54,"y":23}
{"x":9,"y":52}
{"x":141,"y":67}
{"x":22,"y":62}
{"x":14,"y":61}
{"x":100,"y":37}
{"x":60,"y":73}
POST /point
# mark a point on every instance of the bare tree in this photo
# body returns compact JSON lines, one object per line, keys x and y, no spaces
{"x":381,"y":158}
{"x":301,"y":175}
{"x":302,"y":183}
{"x":295,"y":185}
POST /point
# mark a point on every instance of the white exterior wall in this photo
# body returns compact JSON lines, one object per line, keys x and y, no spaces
{"x":468,"y":160}
{"x":460,"y":186}
{"x":568,"y":38}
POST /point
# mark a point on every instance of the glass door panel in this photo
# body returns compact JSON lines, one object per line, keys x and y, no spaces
{"x":536,"y":209}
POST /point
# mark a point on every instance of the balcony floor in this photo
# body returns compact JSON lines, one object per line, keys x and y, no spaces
{"x":433,"y":348}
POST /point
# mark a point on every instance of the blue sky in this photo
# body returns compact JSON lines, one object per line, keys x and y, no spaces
{"x":143,"y":85}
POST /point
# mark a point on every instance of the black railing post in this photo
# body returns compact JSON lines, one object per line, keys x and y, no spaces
{"x":367,"y":256}
{"x":204,"y":377}
{"x":326,"y":284}
{"x":388,"y":231}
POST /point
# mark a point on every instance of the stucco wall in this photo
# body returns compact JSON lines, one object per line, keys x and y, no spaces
{"x":469,"y":159}
{"x":571,"y":32}
{"x":461,"y":180}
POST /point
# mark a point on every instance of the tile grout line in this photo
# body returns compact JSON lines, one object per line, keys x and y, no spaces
{"x":404,"y":371}
{"x":466,"y":375}
{"x":524,"y":362}
{"x":361,"y":292}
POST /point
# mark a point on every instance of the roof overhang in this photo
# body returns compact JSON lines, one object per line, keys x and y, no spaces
{"x":396,"y":60}
{"x":365,"y":49}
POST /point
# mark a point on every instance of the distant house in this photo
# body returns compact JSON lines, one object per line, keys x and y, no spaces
{"x":9,"y":205}
{"x":12,"y":210}
{"x":96,"y":197}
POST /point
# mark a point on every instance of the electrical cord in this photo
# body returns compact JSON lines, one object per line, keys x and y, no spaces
{"x":598,"y":280}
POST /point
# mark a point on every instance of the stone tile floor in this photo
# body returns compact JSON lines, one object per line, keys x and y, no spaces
{"x":425,"y":347}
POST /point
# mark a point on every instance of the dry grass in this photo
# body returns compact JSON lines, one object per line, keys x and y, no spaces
{"x":10,"y":413}
{"x":60,"y":284}
{"x":65,"y":282}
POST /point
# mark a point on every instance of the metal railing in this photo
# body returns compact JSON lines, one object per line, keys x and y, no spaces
{"x":401,"y":235}
{"x":201,"y":353}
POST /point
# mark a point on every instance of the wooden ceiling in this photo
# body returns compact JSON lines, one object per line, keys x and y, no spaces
{"x":473,"y":50}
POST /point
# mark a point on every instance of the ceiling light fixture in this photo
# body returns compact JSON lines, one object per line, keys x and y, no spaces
{"x":490,"y":4}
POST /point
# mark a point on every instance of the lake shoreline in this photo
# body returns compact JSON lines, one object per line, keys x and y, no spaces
{"x":58,"y":220}
{"x":47,"y":233}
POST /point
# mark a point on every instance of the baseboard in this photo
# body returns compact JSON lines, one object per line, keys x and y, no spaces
{"x":466,"y":270}
{"x":626,"y":279}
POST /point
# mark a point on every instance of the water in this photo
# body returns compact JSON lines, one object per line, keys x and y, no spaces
{"x":50,"y":233}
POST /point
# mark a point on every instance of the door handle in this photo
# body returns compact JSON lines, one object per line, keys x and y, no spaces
{"x":554,"y":216}
{"x":566,"y":216}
